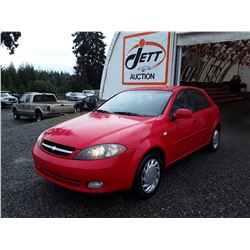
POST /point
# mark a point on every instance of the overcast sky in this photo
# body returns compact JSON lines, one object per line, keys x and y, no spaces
{"x":47,"y":50}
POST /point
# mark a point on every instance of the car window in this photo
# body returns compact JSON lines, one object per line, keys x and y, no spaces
{"x":138,"y":102}
{"x":182,"y":101}
{"x":92,"y":99}
{"x":199,"y":99}
{"x":23,"y":98}
{"x":4,"y":94}
{"x":28,"y":98}
{"x":49,"y":98}
{"x":38,"y":98}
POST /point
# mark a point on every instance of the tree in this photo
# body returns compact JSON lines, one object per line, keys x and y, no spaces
{"x":89,"y":49}
{"x":9,"y":39}
{"x":27,"y":78}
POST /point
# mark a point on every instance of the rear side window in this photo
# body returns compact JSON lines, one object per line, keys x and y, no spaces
{"x":38,"y":98}
{"x":199,"y":99}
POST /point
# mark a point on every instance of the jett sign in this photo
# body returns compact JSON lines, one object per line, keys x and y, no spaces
{"x":145,"y":58}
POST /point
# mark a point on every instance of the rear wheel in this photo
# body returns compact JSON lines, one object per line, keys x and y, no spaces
{"x":38,"y":116}
{"x":148,"y":176}
{"x":16,"y":116}
{"x":215,"y":140}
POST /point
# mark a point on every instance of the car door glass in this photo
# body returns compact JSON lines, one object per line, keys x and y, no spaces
{"x":182,"y":101}
{"x":27,"y":98}
{"x":200,"y":100}
{"x":23,"y":99}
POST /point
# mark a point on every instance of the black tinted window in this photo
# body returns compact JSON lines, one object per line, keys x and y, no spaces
{"x":182,"y":101}
{"x":199,"y":99}
{"x":50,"y":98}
{"x":38,"y":98}
{"x":44,"y":98}
{"x":92,"y":99}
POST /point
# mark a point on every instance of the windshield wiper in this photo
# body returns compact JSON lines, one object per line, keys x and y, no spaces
{"x":127,"y":113}
{"x":102,"y":111}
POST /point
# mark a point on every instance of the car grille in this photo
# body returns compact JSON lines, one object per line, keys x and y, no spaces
{"x":11,"y":99}
{"x":57,"y":149}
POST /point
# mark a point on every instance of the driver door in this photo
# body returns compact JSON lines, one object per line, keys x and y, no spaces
{"x":181,"y":131}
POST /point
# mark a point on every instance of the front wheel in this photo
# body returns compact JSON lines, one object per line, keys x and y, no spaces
{"x":215,"y":140}
{"x":16,"y":116}
{"x":148,"y":176}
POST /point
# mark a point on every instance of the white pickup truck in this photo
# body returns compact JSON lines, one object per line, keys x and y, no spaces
{"x":39,"y":106}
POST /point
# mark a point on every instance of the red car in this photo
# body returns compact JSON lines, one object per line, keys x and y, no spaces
{"x":127,"y":141}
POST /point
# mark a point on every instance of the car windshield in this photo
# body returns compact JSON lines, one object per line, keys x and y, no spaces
{"x":4,"y":94}
{"x":137,"y":103}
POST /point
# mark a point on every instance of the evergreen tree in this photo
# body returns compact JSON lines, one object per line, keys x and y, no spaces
{"x":26,"y":78}
{"x":89,"y":49}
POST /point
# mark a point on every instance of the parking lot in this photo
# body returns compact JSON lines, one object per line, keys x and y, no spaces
{"x":201,"y":185}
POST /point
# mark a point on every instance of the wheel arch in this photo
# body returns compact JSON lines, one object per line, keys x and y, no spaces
{"x":37,"y":109}
{"x":158,"y":150}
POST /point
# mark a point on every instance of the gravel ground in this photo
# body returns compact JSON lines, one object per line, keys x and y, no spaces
{"x":201,"y":185}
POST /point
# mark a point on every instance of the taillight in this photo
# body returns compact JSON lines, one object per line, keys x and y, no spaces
{"x":48,"y":108}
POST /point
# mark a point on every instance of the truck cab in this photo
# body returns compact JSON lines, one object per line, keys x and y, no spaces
{"x":40,"y":105}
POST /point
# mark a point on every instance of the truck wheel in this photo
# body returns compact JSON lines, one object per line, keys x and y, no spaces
{"x":16,"y":115}
{"x":148,"y":176}
{"x":39,"y":116}
{"x":77,"y":109}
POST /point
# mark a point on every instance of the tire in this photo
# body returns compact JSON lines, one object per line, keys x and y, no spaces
{"x":77,"y":109}
{"x":38,"y":116}
{"x":16,"y":116}
{"x":148,"y":176}
{"x":215,"y":140}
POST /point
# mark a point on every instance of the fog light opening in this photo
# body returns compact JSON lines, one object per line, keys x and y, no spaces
{"x":95,"y":184}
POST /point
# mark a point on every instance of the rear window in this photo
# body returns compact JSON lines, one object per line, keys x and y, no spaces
{"x":44,"y":98}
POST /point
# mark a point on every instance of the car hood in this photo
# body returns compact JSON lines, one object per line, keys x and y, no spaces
{"x":9,"y":96}
{"x":96,"y":128}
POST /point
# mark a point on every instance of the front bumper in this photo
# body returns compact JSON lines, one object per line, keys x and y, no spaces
{"x":76,"y":174}
{"x":6,"y":102}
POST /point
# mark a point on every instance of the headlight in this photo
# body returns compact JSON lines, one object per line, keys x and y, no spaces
{"x":100,"y":152}
{"x":40,"y":139}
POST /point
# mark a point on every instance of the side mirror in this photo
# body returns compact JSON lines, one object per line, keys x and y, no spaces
{"x":182,"y":113}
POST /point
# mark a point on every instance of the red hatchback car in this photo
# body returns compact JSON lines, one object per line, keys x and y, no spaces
{"x":127,"y":141}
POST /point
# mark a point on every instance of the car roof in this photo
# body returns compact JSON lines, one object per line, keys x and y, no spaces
{"x":37,"y":93}
{"x":166,"y":88}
